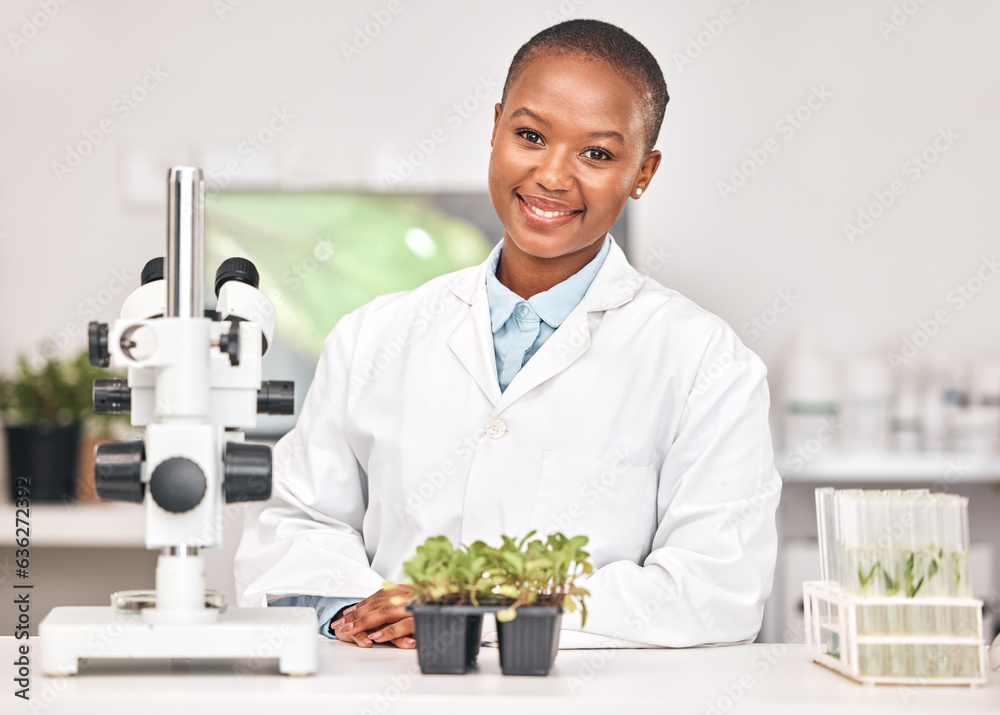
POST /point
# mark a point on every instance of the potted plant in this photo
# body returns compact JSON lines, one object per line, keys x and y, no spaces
{"x":446,"y":585}
{"x":527,"y":583}
{"x":541,"y":577}
{"x":43,"y":409}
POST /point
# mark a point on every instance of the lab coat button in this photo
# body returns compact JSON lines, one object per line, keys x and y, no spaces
{"x":523,"y":311}
{"x":496,"y":429}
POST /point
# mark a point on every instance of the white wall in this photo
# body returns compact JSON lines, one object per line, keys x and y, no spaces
{"x":61,"y":241}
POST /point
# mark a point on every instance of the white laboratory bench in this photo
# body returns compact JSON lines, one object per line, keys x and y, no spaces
{"x":770,"y":679}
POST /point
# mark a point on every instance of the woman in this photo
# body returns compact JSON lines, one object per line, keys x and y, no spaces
{"x":551,"y":388}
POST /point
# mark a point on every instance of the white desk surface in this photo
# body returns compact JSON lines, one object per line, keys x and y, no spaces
{"x":771,"y":679}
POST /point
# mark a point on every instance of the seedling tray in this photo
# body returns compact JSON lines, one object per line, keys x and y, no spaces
{"x":448,"y":637}
{"x":530,"y":642}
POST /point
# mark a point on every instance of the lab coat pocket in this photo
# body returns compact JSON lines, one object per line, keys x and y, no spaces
{"x":610,"y":502}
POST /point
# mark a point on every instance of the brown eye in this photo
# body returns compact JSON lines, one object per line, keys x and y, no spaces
{"x":533,"y":137}
{"x":597,"y":154}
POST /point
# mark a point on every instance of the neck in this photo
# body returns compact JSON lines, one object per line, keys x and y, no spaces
{"x":528,"y":275}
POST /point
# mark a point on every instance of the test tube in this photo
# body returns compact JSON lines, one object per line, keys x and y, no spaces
{"x":891,"y":561}
{"x":848,"y":505}
{"x":965,"y":620}
{"x":942,"y":656}
{"x":877,"y":542}
{"x":826,"y":533}
{"x":826,"y":536}
{"x":912,"y":554}
{"x":863,"y":569}
{"x":956,"y":545}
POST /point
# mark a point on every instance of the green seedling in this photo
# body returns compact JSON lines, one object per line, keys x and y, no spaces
{"x":515,"y":574}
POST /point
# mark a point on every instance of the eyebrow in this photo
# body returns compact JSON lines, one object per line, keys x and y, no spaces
{"x":603,"y":135}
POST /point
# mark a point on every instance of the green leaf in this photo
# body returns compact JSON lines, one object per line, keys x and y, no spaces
{"x":864,"y":579}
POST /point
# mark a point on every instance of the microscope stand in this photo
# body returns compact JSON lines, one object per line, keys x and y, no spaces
{"x":247,"y":634}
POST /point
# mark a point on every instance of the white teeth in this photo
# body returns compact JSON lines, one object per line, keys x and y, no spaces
{"x":549,"y":214}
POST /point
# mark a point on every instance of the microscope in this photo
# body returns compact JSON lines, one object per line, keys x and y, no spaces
{"x":194,"y":382}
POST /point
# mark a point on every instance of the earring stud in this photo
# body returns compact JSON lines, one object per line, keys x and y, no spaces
{"x":638,"y":193}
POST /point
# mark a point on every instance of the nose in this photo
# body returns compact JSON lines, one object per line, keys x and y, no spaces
{"x":554,"y":171}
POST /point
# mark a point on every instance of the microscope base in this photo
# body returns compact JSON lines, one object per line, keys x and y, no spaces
{"x":248,"y":634}
{"x":994,"y":654}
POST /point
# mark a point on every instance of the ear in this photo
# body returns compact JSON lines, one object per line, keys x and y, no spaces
{"x":646,"y":170}
{"x":497,"y":111}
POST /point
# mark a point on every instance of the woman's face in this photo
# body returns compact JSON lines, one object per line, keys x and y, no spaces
{"x":568,"y":150}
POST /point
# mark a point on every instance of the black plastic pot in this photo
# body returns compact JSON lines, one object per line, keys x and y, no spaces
{"x":48,"y":456}
{"x":530,"y":642}
{"x":448,"y":637}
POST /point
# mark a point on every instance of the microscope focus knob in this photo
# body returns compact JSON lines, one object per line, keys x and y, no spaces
{"x":118,"y":471}
{"x":98,"y":348}
{"x":247,"y":472}
{"x":112,"y":396}
{"x":177,"y":484}
{"x":276,"y":397}
{"x":229,"y":343}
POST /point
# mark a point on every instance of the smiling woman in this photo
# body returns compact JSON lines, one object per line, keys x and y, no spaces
{"x":566,"y":155}
{"x":552,"y":389}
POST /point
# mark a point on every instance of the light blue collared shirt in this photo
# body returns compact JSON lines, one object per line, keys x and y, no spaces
{"x":326,"y":608}
{"x":521,"y":327}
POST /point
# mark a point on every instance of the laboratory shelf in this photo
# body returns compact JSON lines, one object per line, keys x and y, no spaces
{"x":936,"y":470}
{"x":78,"y":525}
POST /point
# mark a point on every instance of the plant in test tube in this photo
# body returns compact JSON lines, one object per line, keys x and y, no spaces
{"x":911,"y":569}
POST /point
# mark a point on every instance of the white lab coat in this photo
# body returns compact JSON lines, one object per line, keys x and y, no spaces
{"x":642,"y":423}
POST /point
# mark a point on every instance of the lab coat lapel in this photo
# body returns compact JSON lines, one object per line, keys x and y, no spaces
{"x":472,"y":341}
{"x":614,"y":285}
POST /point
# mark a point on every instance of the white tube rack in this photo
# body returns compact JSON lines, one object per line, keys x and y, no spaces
{"x":841,"y":624}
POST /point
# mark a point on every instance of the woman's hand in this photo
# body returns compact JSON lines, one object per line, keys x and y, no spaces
{"x":377,"y":620}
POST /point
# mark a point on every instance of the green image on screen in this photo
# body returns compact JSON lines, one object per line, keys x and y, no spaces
{"x":322,"y":255}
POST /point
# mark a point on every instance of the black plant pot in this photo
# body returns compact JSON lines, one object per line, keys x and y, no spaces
{"x":47,"y":456}
{"x":530,"y":642}
{"x":448,"y":637}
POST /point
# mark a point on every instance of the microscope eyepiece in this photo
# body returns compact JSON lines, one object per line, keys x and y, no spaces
{"x":236,"y":269}
{"x":152,"y":271}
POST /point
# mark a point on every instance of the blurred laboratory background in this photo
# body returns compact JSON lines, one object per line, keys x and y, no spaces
{"x":825,"y":188}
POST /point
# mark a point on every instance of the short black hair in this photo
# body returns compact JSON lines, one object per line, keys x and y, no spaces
{"x":607,"y":43}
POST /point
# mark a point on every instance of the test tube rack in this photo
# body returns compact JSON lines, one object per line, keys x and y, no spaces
{"x":840,"y":626}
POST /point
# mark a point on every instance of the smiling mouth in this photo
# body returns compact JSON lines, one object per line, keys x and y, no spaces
{"x":545,"y":214}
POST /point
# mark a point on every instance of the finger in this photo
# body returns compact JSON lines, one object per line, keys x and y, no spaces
{"x":406,"y":643}
{"x":343,"y":635}
{"x":381,"y":599}
{"x":358,"y":638}
{"x":393,"y":631}
{"x":376,"y":615}
{"x":357,"y":628}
